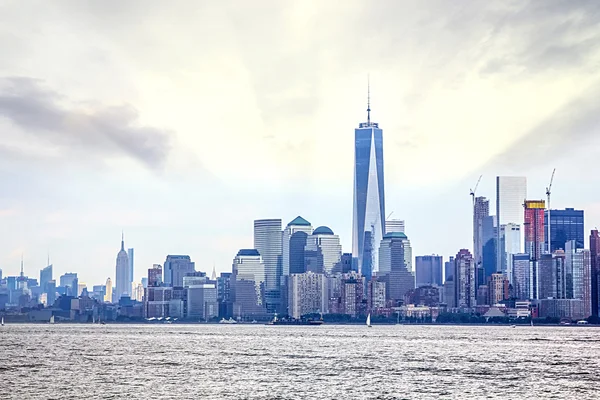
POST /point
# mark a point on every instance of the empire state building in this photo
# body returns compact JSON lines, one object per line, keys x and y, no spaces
{"x":369,"y":198}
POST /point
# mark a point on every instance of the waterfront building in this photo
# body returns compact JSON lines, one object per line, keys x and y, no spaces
{"x":122,"y":276}
{"x":565,"y":225}
{"x":428,"y":270}
{"x":595,"y":270}
{"x":268,"y":241}
{"x":511,"y":192}
{"x":175,"y":268}
{"x":577,"y":265}
{"x":498,"y":288}
{"x":202,"y":301}
{"x":307,"y":294}
{"x":369,"y":197}
{"x":561,"y":308}
{"x":376,"y":295}
{"x":352,"y":294}
{"x":323,"y":251}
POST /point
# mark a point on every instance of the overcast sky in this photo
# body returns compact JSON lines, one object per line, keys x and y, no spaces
{"x":181,"y":122}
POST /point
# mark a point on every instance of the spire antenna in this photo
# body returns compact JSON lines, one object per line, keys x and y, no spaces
{"x":21,"y":264}
{"x":122,"y":240}
{"x":368,"y":99}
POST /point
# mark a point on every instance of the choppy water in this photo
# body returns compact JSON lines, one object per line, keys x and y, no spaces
{"x":324,"y":362}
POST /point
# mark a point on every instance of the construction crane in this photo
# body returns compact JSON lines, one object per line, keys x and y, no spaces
{"x":548,"y":192}
{"x":387,"y":219}
{"x":474,"y":190}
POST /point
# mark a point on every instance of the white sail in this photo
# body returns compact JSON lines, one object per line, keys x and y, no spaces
{"x":369,"y":320}
{"x":2,"y":321}
{"x":52,"y":319}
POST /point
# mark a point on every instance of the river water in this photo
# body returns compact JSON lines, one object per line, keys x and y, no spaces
{"x":298,"y":362}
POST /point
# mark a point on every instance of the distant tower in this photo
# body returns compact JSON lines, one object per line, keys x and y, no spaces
{"x":511,"y":192}
{"x":130,"y":257}
{"x":109,"y":291}
{"x":268,"y":242}
{"x":369,"y":200}
{"x":123,"y":279}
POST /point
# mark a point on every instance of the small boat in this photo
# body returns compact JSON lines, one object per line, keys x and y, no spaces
{"x":531,"y":322}
{"x":228,"y":321}
{"x":51,"y":319}
{"x":369,"y":320}
{"x":2,"y":321}
{"x":513,"y":326}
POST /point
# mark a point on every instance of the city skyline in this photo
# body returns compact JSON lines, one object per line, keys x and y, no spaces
{"x":72,"y":195}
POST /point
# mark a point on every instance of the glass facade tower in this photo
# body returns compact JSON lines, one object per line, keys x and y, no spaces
{"x":369,"y":198}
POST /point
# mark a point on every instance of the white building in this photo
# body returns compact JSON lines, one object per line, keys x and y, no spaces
{"x":123,"y":278}
{"x":249,"y":281}
{"x":394,"y":225}
{"x":511,"y":192}
{"x":307,"y":294}
{"x":324,"y":249}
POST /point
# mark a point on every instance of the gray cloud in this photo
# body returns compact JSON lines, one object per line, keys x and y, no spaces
{"x":97,"y":130}
{"x":566,"y":132}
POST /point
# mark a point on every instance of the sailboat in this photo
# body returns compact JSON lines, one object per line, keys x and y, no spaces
{"x":369,"y":320}
{"x":52,"y":319}
{"x":2,"y":321}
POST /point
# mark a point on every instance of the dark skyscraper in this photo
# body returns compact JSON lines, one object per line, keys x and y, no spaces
{"x":369,"y":198}
{"x":268,"y":242}
{"x":428,"y":270}
{"x":595,"y":264}
{"x":565,"y":225}
{"x":297,"y":255}
{"x":449,"y":269}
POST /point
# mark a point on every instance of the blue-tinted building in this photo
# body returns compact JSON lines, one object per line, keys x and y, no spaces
{"x":565,"y":225}
{"x":45,"y":277}
{"x":369,"y":198}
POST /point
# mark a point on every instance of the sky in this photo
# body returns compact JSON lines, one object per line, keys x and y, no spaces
{"x":181,"y":122}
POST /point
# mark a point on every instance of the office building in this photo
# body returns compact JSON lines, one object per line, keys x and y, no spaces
{"x":510,"y":241}
{"x":545,"y":287}
{"x":307,"y":294}
{"x":130,"y":259}
{"x":369,"y":196}
{"x":345,"y":265}
{"x":595,"y":267}
{"x":465,"y":291}
{"x":248,"y":272}
{"x":70,"y":282}
{"x":122,"y":277}
{"x":522,"y":276}
{"x":511,"y":192}
{"x":108,"y":297}
{"x":394,"y":267}
{"x":395,"y":225}
{"x":577,"y":265}
{"x":449,"y":269}
{"x":50,"y":292}
{"x":202,"y":301}
{"x":45,"y":277}
{"x":489,"y":238}
{"x":155,"y":275}
{"x":175,"y":268}
{"x":323,"y":251}
{"x":565,"y":225}
{"x":294,"y":240}
{"x":268,"y":242}
{"x":428,"y":270}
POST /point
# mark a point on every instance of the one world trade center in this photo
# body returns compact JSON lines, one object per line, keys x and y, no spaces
{"x":369,"y":199}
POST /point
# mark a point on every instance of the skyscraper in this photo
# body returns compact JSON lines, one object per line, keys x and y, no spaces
{"x":130,"y":258}
{"x":45,"y":277}
{"x":577,"y":265}
{"x":369,"y":197}
{"x":465,"y":291}
{"x":175,"y":268}
{"x":595,"y":266}
{"x":490,"y":237}
{"x":307,"y":294}
{"x":248,"y":272}
{"x":109,"y":291}
{"x":395,"y":225}
{"x":534,"y":227}
{"x":298,"y":224}
{"x":449,"y":269}
{"x":123,"y":280}
{"x":323,"y":250}
{"x":394,"y":269}
{"x":428,"y":270}
{"x":511,"y":192}
{"x":268,"y":242}
{"x":481,"y":210}
{"x":565,"y":225}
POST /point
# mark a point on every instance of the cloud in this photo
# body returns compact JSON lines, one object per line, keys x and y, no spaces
{"x":91,"y":129}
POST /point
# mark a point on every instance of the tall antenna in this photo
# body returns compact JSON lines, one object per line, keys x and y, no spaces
{"x":368,"y":99}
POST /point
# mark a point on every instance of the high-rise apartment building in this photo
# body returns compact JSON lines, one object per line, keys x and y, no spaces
{"x":428,"y":270}
{"x":307,"y":294}
{"x":534,"y":227}
{"x":497,"y":288}
{"x":352,"y":294}
{"x":248,"y":278}
{"x":122,"y":277}
{"x":522,"y":276}
{"x":595,"y":270}
{"x":376,"y":295}
{"x":465,"y":291}
{"x":511,"y":192}
{"x":323,"y":251}
{"x":293,"y":243}
{"x":268,"y":241}
{"x":565,"y":225}
{"x":394,"y":267}
{"x":369,"y":196}
{"x":481,"y":210}
{"x":577,"y":265}
{"x":155,"y":275}
{"x":175,"y":268}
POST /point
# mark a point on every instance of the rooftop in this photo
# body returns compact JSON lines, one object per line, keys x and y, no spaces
{"x":396,"y":235}
{"x":323,"y":230}
{"x":248,"y":252}
{"x":299,"y":221}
